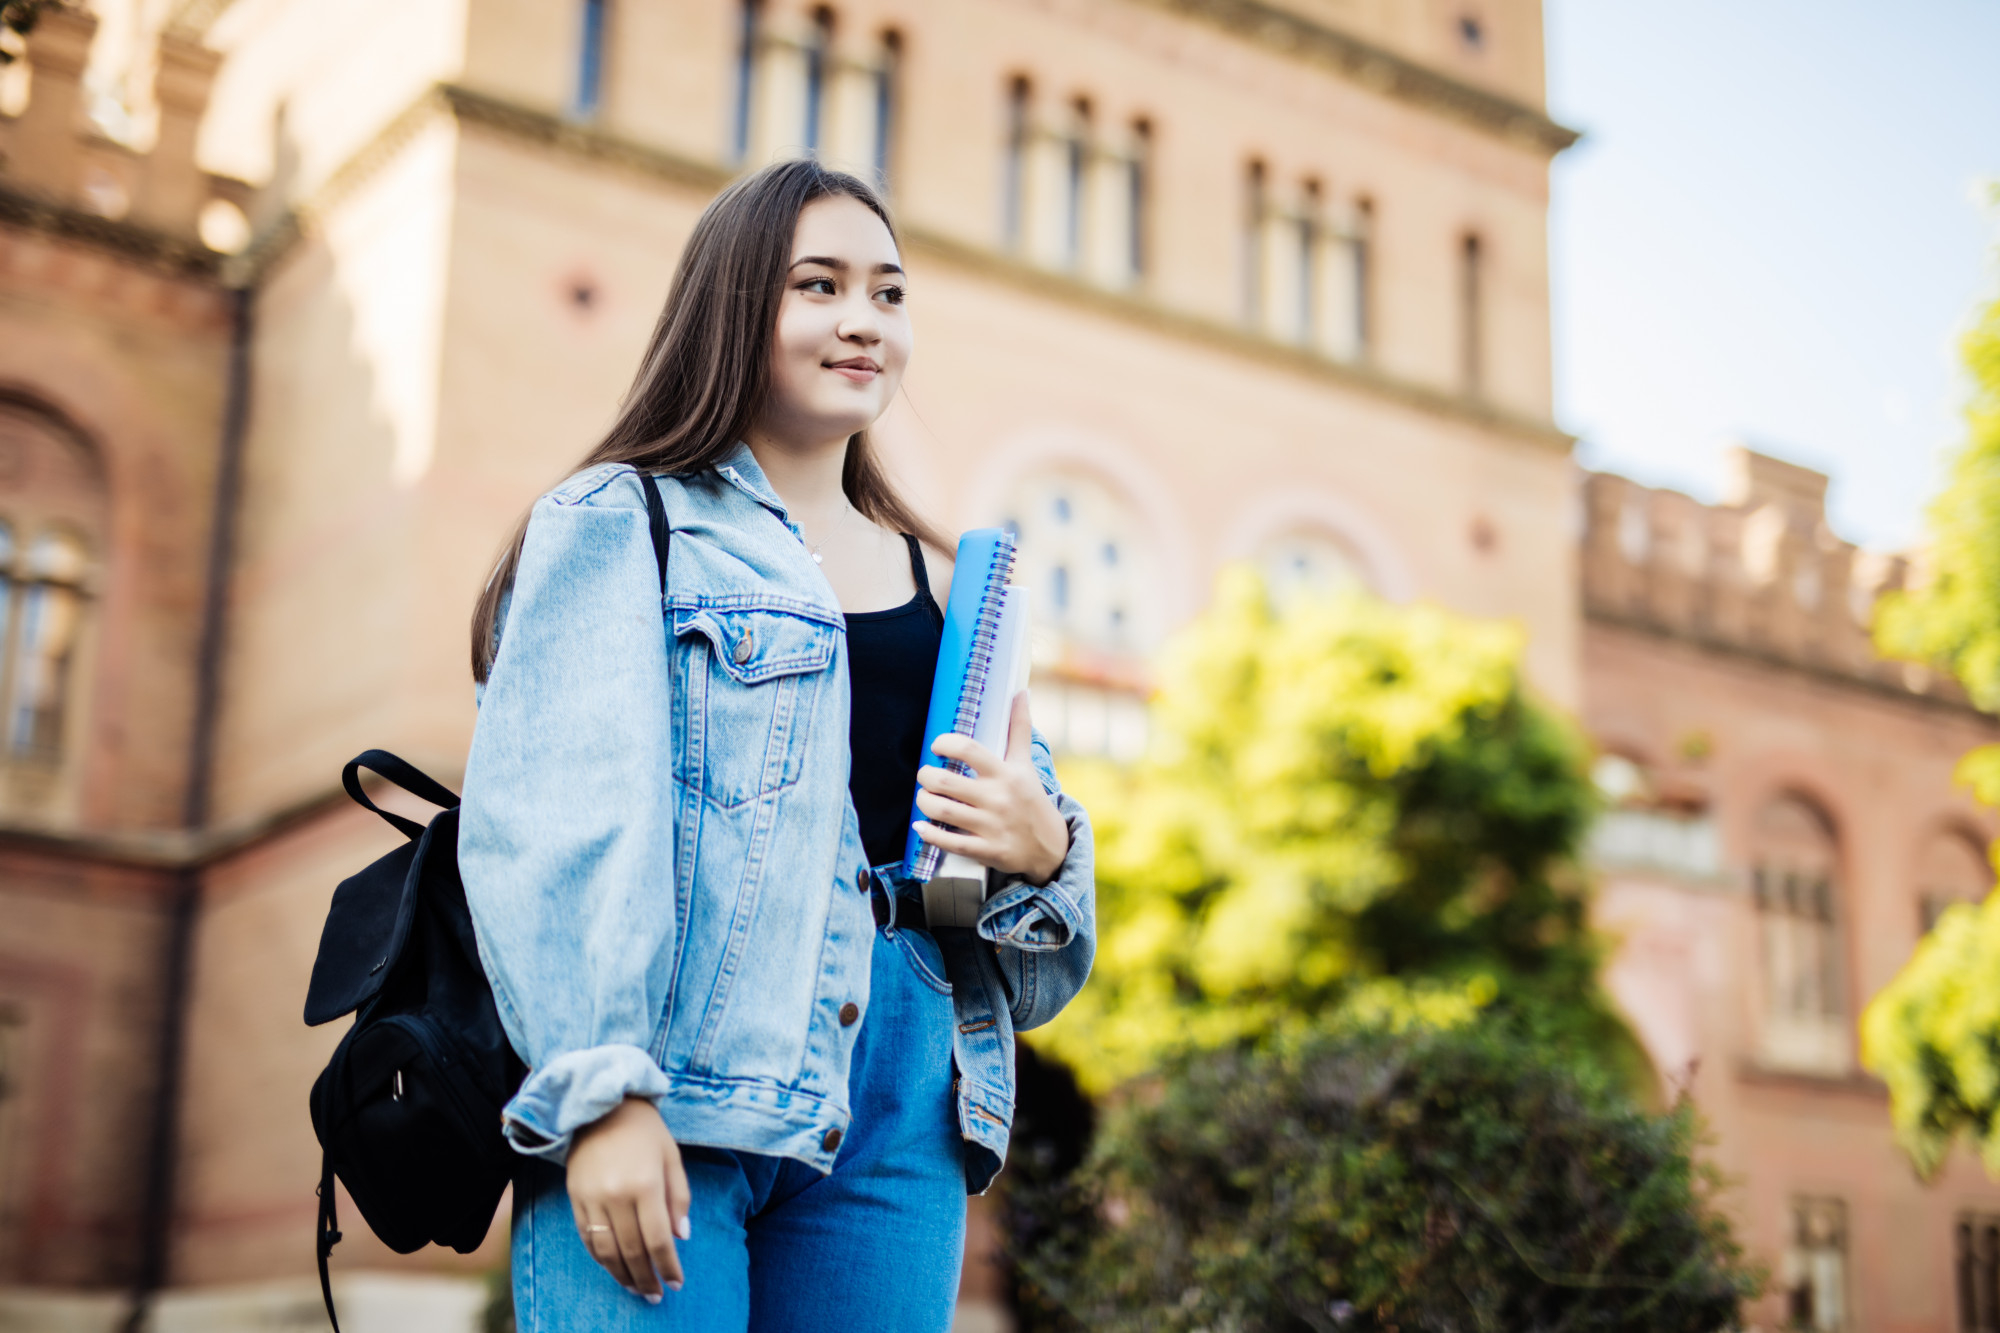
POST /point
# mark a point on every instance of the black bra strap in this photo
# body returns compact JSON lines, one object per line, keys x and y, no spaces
{"x":917,"y":570}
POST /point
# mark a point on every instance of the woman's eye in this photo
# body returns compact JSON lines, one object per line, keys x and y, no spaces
{"x":893,"y":295}
{"x":818,"y":286}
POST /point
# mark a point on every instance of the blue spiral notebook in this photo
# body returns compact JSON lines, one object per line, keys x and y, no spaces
{"x":982,"y":665}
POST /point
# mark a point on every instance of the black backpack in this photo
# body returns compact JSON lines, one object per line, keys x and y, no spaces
{"x":408,"y":1109}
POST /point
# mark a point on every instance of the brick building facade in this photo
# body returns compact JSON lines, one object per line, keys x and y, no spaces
{"x":300,"y":303}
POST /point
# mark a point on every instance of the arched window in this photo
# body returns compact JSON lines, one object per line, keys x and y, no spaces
{"x":1795,"y":885}
{"x":51,"y":512}
{"x":1308,"y":560}
{"x":1089,"y":562}
{"x":1953,"y":870}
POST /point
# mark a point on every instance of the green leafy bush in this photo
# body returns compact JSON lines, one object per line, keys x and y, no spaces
{"x":1457,"y":1179}
{"x":1341,"y":793}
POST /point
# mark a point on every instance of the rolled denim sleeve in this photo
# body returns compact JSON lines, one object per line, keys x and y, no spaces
{"x":1045,"y":936}
{"x":566,"y":832}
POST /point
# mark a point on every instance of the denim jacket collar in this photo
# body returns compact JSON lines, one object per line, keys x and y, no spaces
{"x":739,"y":468}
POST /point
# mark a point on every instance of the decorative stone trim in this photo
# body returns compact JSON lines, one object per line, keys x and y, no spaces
{"x":151,"y":249}
{"x":1384,"y":71}
{"x":524,"y":124}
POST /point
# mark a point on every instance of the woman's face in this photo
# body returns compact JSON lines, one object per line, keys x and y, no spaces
{"x":843,"y":335}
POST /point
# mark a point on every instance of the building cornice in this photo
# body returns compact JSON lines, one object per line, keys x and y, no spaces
{"x":1743,"y":654}
{"x":1136,"y":308}
{"x":155,"y":250}
{"x":168,"y":849}
{"x":554,"y":133}
{"x":1277,"y":29}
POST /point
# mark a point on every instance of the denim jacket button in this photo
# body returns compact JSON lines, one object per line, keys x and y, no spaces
{"x":831,"y":1142}
{"x":861,"y":880}
{"x":744,"y":647}
{"x":848,"y":1013}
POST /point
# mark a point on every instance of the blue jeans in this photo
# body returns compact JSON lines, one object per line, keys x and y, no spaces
{"x":777,"y":1246}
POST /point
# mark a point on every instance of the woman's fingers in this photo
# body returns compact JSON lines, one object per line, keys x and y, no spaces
{"x":944,"y":782}
{"x":632,"y":1250}
{"x":656,"y":1232}
{"x":958,"y":814}
{"x":680,"y":1197}
{"x":964,"y":844}
{"x":967,"y":751}
{"x":600,"y":1237}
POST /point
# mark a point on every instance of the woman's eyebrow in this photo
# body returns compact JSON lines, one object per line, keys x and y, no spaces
{"x":841,"y":265}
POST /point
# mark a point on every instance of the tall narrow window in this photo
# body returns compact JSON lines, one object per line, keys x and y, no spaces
{"x":1255,"y":208}
{"x":1014,"y":182}
{"x":1138,"y":175}
{"x":1794,"y":883}
{"x":1953,"y":870}
{"x":7,"y":597}
{"x":1076,"y":166}
{"x":51,"y":614}
{"x":1306,"y":229}
{"x":1814,"y":1277}
{"x":886,"y":75}
{"x":51,"y":520}
{"x":589,"y":93}
{"x":749,"y":30}
{"x":818,"y":59}
{"x":1471,"y":315}
{"x":1978,"y":1273}
{"x":1362,"y":255}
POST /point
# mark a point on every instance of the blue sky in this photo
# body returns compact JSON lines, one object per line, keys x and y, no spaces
{"x":1773,"y":232}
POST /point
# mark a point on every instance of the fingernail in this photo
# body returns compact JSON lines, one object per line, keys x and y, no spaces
{"x":652,"y":1298}
{"x":673,"y":1286}
{"x":685,"y":1227}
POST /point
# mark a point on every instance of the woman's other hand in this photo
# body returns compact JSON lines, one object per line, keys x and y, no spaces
{"x":631,"y":1197}
{"x":1006,"y":819}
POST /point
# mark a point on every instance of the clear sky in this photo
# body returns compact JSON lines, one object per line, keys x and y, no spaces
{"x":1773,"y":232}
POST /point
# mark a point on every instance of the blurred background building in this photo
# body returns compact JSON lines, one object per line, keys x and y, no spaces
{"x":301,"y":303}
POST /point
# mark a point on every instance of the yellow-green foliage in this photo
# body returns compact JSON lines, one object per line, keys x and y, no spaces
{"x":1348,"y":804}
{"x":1934,"y":1033}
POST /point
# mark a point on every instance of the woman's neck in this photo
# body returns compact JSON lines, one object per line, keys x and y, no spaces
{"x":806,"y":478}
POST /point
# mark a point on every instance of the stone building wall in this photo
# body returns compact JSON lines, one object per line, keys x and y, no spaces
{"x":115,"y":334}
{"x":1786,"y":828}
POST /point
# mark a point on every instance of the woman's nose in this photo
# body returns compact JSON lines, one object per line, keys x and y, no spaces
{"x":860,"y":325}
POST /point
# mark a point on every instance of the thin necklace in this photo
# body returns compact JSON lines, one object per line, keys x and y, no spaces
{"x":845,"y":510}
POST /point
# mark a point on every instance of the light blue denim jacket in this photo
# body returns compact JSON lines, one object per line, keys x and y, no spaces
{"x":663,"y":863}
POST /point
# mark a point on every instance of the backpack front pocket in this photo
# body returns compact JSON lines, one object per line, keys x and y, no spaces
{"x":750,"y":680}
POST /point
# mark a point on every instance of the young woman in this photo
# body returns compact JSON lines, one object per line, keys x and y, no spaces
{"x":759,"y":1088}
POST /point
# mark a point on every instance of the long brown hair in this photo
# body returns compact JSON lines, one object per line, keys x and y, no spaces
{"x":707,"y":367}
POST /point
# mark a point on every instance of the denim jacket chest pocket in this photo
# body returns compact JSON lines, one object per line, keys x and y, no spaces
{"x":750,"y":672}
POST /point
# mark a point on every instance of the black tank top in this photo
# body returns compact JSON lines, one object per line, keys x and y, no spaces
{"x":891,"y":658}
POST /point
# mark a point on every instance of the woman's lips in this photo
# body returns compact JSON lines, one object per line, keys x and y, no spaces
{"x":861,"y":372}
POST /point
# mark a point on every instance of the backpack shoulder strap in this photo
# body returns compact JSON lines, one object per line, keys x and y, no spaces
{"x":405,"y":775}
{"x":329,"y":1235}
{"x":656,"y":516}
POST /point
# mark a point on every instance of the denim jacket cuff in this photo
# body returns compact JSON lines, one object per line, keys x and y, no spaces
{"x":574,"y":1090}
{"x":1044,"y":918}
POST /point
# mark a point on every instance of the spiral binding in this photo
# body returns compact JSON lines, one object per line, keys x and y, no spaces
{"x":979,"y":665}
